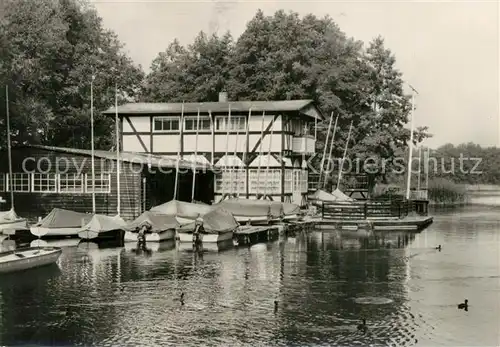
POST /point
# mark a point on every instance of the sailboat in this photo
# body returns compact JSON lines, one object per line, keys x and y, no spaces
{"x":10,"y":222}
{"x":101,"y":226}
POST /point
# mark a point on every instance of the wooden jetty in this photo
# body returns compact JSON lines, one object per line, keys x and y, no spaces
{"x":394,"y":215}
{"x":410,"y":223}
{"x":250,"y":234}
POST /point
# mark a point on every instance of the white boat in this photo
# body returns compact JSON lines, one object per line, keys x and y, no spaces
{"x":218,"y":224}
{"x":320,"y":196}
{"x":27,"y":258}
{"x":61,"y":223}
{"x":184,"y":212}
{"x":102,"y":227}
{"x":161,"y":227}
{"x":61,"y":243}
{"x":10,"y":222}
{"x":250,"y":211}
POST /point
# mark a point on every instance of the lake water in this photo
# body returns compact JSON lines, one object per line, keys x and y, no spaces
{"x":325,"y":284}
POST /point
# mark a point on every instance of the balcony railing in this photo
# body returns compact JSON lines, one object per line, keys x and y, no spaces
{"x":305,"y":144}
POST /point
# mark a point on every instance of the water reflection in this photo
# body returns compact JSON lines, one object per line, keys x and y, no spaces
{"x":325,"y":283}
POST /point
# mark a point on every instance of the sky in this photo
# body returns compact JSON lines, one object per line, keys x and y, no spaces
{"x":449,"y":51}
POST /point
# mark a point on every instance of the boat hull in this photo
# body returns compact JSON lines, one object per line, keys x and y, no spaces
{"x":206,"y":238}
{"x":55,"y":232}
{"x":103,"y":235}
{"x":28,"y":258}
{"x":253,"y":219}
{"x":151,"y":237}
{"x":10,"y":228}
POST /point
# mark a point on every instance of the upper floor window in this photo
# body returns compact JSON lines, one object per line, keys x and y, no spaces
{"x":237,"y":123}
{"x":166,"y":124}
{"x":190,"y":123}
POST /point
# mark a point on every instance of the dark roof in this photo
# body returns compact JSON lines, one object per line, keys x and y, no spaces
{"x":306,"y":107}
{"x":129,"y":157}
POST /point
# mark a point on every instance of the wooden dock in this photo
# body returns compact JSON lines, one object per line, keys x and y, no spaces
{"x":410,"y":223}
{"x":251,"y":234}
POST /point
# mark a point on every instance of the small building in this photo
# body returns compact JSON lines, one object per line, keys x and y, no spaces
{"x":259,"y":149}
{"x":46,"y":177}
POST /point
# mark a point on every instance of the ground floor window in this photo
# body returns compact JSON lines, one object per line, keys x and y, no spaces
{"x":288,"y":181}
{"x":19,"y":182}
{"x":44,"y":183}
{"x":3,"y":182}
{"x":102,"y":183}
{"x":265,"y":181}
{"x":231,"y":181}
{"x":71,"y":183}
{"x":303,"y":181}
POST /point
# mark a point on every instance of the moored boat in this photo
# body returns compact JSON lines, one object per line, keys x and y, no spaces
{"x":185,"y":212}
{"x":10,"y":222}
{"x":102,"y":227}
{"x":61,"y":223}
{"x":218,"y":225}
{"x":160,"y":227}
{"x":250,"y":211}
{"x":27,"y":258}
{"x":320,"y":196}
{"x":61,"y":243}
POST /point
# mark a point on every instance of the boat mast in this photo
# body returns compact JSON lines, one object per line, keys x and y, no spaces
{"x":260,"y":151}
{"x":343,"y":157}
{"x":117,"y":122}
{"x":176,"y":184}
{"x":226,"y":161}
{"x":9,"y":146}
{"x":327,"y":174}
{"x":233,"y":167}
{"x":195,"y":154}
{"x":269,"y":161}
{"x":410,"y":145}
{"x":419,"y":166}
{"x":92,"y":139}
{"x":246,"y":145}
{"x":324,"y":150}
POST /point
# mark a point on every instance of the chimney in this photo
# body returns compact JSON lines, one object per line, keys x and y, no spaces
{"x":223,"y":97}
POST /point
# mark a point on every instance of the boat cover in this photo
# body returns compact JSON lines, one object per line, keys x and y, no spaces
{"x":219,"y":220}
{"x":290,"y":209}
{"x":341,"y":196}
{"x":249,"y":208}
{"x":158,"y":222}
{"x":60,"y":218}
{"x":102,"y":223}
{"x":336,"y":195}
{"x":9,"y":216}
{"x":182,"y":209}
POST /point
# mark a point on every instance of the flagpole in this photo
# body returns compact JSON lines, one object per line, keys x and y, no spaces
{"x":324,"y":150}
{"x":195,"y":155}
{"x":118,"y":203}
{"x":410,"y":145}
{"x":345,"y":154}
{"x":327,"y":174}
{"x":92,"y":139}
{"x":9,"y":150}
{"x":178,"y":155}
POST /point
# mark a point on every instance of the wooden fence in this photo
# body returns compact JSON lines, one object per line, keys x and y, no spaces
{"x":369,"y":209}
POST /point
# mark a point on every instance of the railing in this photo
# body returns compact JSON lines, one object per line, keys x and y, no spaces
{"x":370,"y":209}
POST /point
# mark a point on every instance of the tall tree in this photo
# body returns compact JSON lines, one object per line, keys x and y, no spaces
{"x":50,"y":51}
{"x":196,"y":73}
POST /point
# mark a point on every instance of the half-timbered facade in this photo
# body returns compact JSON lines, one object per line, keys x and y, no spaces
{"x":259,"y":149}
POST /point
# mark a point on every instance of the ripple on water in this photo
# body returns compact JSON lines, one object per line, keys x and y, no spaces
{"x":370,"y":300}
